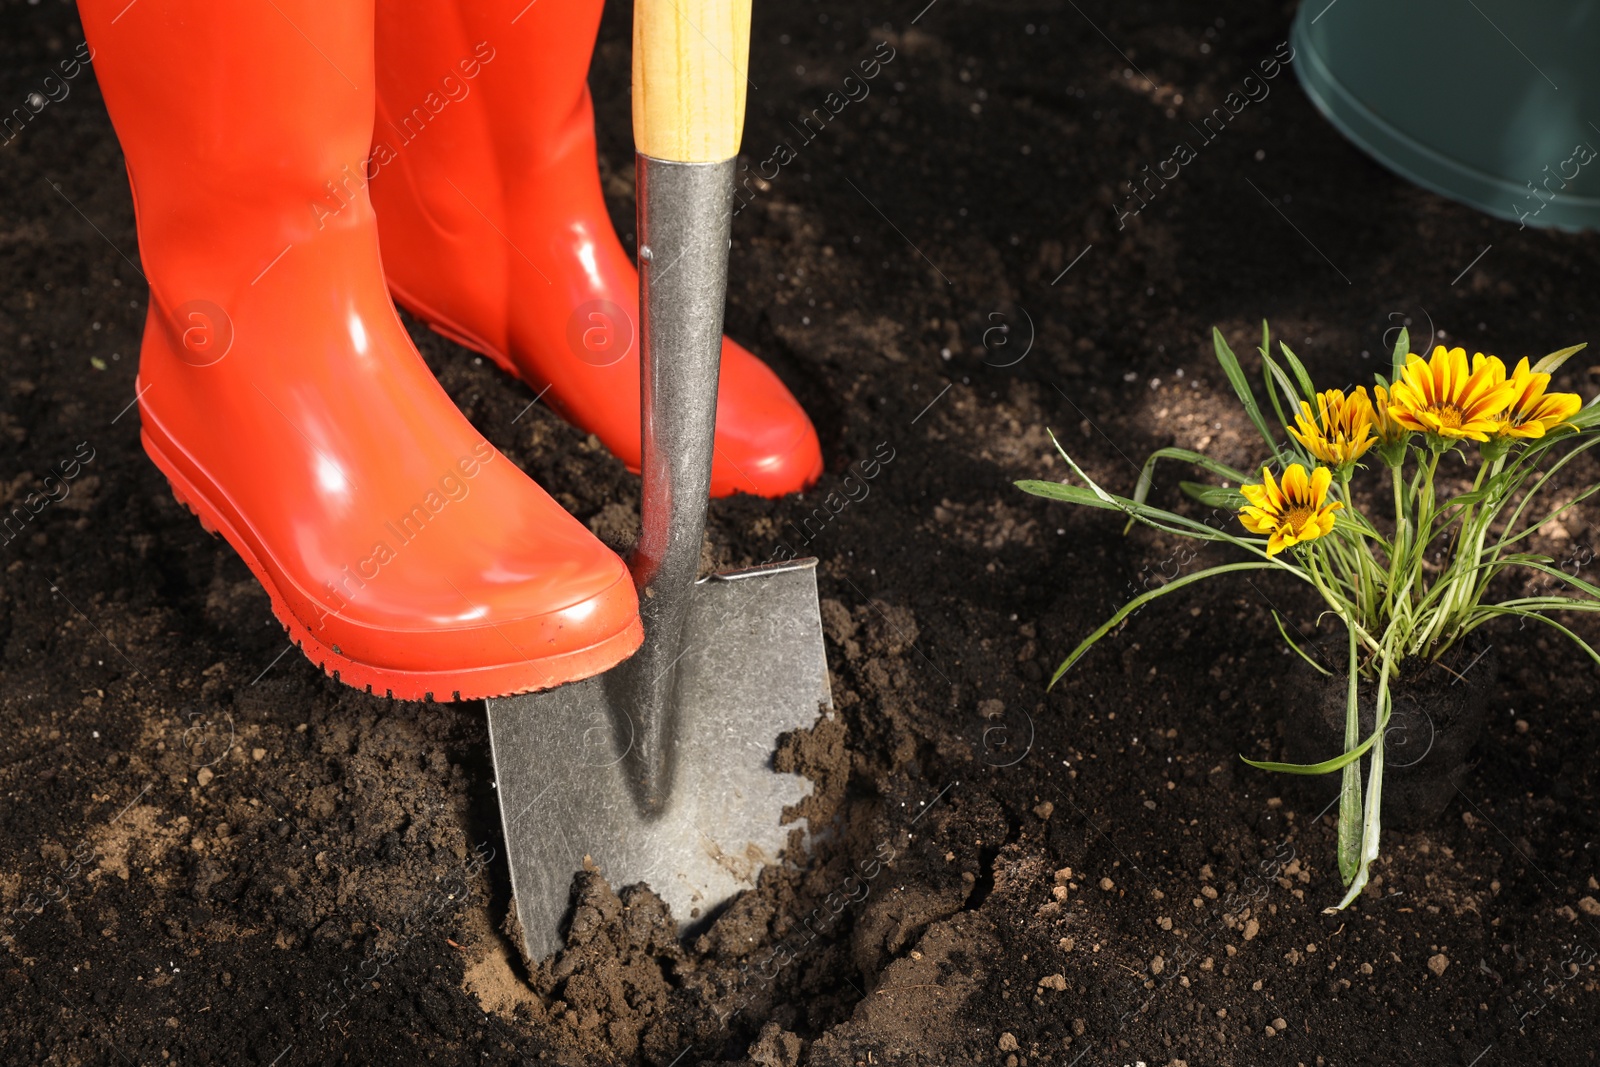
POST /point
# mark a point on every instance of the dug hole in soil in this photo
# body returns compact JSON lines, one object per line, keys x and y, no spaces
{"x":214,"y":854}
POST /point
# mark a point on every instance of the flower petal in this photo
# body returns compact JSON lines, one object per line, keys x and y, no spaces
{"x":1274,"y":494}
{"x":1295,"y":485}
{"x":1321,"y":478}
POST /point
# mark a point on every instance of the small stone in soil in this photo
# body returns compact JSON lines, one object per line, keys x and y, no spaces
{"x":1437,"y":964}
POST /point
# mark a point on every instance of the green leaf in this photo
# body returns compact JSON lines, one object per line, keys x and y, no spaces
{"x":1269,"y":374}
{"x":1141,"y":489}
{"x":1551,"y":363}
{"x":1372,"y":818}
{"x":1522,"y":473}
{"x":1092,"y":495}
{"x":1348,"y":518}
{"x":1137,"y":602}
{"x":1349,"y":845}
{"x":1072,"y":494}
{"x":1402,"y":349}
{"x":1349,"y":849}
{"x":1277,"y":382}
{"x":1551,"y":602}
{"x":1501,"y":609}
{"x":1298,"y":650}
{"x":1325,"y":767}
{"x":1156,"y":518}
{"x":1469,"y":498}
{"x":1214,"y":496}
{"x":1308,"y":390}
{"x":1570,"y":579}
{"x":1517,"y":557}
{"x":1241,"y":387}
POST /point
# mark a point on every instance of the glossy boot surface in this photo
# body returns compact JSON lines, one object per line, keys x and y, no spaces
{"x":494,"y":230}
{"x":279,"y":392}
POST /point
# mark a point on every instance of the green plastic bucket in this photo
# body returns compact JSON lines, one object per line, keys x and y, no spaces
{"x":1495,"y":103}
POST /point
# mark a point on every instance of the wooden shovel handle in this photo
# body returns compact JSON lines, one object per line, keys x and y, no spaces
{"x":690,"y":64}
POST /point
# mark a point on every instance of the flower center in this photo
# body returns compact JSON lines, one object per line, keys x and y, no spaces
{"x":1448,"y":415}
{"x":1298,"y":515}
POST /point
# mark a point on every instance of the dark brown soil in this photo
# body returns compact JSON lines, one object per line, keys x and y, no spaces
{"x":210,"y":853}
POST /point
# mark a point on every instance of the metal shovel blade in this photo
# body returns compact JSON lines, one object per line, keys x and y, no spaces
{"x":752,"y":667}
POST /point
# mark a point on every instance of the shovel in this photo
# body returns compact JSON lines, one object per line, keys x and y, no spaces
{"x":660,"y":770}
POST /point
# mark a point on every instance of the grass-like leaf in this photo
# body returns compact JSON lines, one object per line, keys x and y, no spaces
{"x":1138,"y":602}
{"x":1241,"y":388}
{"x":1307,"y":390}
{"x":1213,"y":496}
{"x":1141,"y":488}
{"x":1552,"y":363}
{"x":1298,"y":650}
{"x":1327,"y":766}
{"x":1349,"y":847}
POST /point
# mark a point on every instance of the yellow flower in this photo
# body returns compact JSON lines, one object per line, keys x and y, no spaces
{"x":1438,"y":397}
{"x":1341,"y":431}
{"x":1533,"y":412}
{"x":1291,"y":513}
{"x":1389,"y":431}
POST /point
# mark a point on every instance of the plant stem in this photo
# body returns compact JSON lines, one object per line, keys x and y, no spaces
{"x":1398,"y":548}
{"x":1363,"y":554}
{"x":1466,"y":515}
{"x":1339,"y":605}
{"x":1463,"y":589}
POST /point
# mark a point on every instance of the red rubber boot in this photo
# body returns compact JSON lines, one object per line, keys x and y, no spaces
{"x":484,"y":176}
{"x":280,"y":394}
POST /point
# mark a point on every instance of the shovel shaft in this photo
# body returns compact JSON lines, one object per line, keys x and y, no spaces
{"x":685,"y":215}
{"x":684,"y":222}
